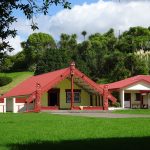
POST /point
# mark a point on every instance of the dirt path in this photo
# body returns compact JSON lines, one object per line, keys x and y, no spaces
{"x":103,"y":115}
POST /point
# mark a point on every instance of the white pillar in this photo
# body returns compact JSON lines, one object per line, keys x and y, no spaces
{"x":149,"y":100}
{"x":14,"y":105}
{"x":122,"y":98}
{"x":5,"y":105}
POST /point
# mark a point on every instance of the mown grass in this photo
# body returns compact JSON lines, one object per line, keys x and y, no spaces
{"x":133,"y":111}
{"x":17,"y":77}
{"x":45,"y":131}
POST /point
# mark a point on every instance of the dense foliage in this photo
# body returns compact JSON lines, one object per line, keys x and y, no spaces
{"x":103,"y":57}
{"x":29,"y":8}
{"x":5,"y":80}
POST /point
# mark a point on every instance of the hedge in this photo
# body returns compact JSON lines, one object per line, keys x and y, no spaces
{"x":5,"y":80}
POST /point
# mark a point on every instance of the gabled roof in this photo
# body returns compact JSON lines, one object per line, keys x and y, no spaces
{"x":29,"y":86}
{"x":129,"y":81}
{"x":51,"y":79}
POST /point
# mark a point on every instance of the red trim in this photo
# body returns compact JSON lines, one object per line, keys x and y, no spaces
{"x":144,"y":91}
{"x":89,"y":81}
{"x":55,"y":81}
{"x":49,"y":108}
{"x":20,"y":100}
{"x":1,"y":100}
{"x":94,"y":86}
{"x":72,"y":92}
{"x":88,"y":108}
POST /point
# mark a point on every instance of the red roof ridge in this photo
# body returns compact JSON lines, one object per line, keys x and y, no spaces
{"x":51,"y":72}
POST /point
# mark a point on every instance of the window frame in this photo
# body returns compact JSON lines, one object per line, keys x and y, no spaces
{"x":75,"y":91}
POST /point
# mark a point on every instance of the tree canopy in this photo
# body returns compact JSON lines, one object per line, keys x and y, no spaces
{"x":103,"y":57}
{"x":29,"y":8}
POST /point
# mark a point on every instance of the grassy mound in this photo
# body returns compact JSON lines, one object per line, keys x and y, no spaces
{"x":17,"y":77}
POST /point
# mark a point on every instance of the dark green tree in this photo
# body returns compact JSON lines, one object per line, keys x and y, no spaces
{"x":84,"y":33}
{"x":35,"y":46}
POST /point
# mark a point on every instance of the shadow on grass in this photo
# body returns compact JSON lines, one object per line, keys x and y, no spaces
{"x":88,"y":144}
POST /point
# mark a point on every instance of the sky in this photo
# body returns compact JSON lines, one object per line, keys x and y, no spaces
{"x":89,"y":15}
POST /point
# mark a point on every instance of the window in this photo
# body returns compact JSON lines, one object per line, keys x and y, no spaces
{"x":127,"y":96}
{"x":77,"y":96}
{"x":138,"y":96}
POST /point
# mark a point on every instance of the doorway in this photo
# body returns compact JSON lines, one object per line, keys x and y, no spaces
{"x":9,"y":105}
{"x":53,"y":97}
{"x":127,"y":100}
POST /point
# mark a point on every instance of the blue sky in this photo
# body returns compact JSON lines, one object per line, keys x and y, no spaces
{"x":90,"y":15}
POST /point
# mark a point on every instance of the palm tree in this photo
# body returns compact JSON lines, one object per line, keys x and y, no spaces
{"x":84,"y":33}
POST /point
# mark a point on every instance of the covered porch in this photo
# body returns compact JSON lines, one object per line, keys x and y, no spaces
{"x":135,"y":98}
{"x":74,"y":95}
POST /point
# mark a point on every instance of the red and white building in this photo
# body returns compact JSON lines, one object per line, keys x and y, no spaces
{"x":134,"y":92}
{"x":66,"y":88}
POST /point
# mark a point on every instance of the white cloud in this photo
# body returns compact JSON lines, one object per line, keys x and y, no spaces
{"x":15,"y":43}
{"x":100,"y":17}
{"x":95,"y":17}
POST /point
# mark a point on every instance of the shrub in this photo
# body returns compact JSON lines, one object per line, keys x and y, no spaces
{"x":117,"y":104}
{"x":5,"y":80}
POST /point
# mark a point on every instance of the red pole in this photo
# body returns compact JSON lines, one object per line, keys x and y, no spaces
{"x":72,"y":91}
{"x":105,"y":95}
{"x":72,"y":68}
{"x":38,"y":98}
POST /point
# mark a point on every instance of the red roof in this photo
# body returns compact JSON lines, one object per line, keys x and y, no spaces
{"x":49,"y":80}
{"x":128,"y":81}
{"x":29,"y":86}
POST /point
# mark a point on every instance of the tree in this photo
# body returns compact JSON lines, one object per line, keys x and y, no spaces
{"x":84,"y":33}
{"x":136,"y":65}
{"x":30,"y":8}
{"x":36,"y":45}
{"x":69,"y":44}
{"x":52,"y":59}
{"x":136,"y":38}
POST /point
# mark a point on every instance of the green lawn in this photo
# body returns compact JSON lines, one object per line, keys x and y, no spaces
{"x":133,"y":111}
{"x":44,"y":131}
{"x":17,"y":78}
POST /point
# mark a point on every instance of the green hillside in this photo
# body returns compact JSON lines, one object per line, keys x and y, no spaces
{"x":17,"y":77}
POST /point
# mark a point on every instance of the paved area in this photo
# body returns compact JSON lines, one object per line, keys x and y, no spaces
{"x":102,"y":114}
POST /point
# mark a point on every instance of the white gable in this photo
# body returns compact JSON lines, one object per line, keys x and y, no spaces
{"x":139,"y":86}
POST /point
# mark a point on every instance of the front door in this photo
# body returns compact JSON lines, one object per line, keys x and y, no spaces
{"x":53,"y":97}
{"x":127,"y":100}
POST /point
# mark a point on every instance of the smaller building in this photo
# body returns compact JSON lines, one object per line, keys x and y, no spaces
{"x":66,"y":88}
{"x":134,"y":92}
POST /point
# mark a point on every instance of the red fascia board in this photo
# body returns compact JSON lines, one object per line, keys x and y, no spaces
{"x":88,"y":81}
{"x":55,"y":81}
{"x":94,"y":85}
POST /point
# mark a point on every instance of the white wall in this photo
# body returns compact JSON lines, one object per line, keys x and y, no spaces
{"x":139,"y":86}
{"x":3,"y":106}
{"x":21,"y":107}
